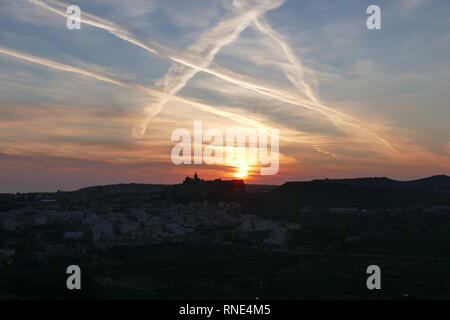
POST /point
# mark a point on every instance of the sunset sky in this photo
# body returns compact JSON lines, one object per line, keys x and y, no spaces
{"x":98,"y":105}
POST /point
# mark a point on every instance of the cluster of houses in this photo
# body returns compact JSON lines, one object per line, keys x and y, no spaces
{"x":171,"y":222}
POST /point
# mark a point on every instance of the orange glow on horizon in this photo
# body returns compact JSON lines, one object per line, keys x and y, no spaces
{"x":242,"y":171}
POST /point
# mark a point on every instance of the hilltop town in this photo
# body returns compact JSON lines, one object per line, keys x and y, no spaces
{"x":76,"y":224}
{"x":224,"y":238}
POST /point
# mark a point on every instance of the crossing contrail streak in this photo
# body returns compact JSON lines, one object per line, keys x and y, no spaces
{"x":195,"y":62}
{"x":296,"y":71}
{"x":133,"y":85}
{"x":208,"y":45}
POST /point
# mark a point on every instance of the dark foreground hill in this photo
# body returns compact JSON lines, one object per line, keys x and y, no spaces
{"x":327,"y":193}
{"x":440,"y":183}
{"x":364,"y":192}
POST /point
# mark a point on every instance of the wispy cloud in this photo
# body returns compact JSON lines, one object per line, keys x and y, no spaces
{"x":207,"y":46}
{"x":193,"y":61}
{"x":129,"y":84}
{"x":407,"y":6}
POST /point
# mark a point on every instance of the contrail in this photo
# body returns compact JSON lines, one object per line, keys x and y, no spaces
{"x":63,"y":67}
{"x":208,"y":45}
{"x":195,"y":62}
{"x":130,"y":84}
{"x":295,"y":72}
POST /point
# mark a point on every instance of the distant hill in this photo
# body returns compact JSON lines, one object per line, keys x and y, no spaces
{"x":372,"y":192}
{"x":125,"y":188}
{"x":439,"y":183}
{"x":365,"y":192}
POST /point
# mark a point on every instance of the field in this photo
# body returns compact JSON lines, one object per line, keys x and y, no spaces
{"x":212,"y":271}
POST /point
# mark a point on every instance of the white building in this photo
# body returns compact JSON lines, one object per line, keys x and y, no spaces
{"x":294,"y":226}
{"x":41,"y":220}
{"x":76,"y":215}
{"x":246,"y":226}
{"x":104,"y":228}
{"x":91,"y":218}
{"x":175,"y":229}
{"x":343,"y":210}
{"x":73,"y":235}
{"x":128,"y":227}
{"x":278,"y":237}
{"x":264,"y":225}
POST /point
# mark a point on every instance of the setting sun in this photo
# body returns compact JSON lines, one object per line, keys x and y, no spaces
{"x":242,"y":171}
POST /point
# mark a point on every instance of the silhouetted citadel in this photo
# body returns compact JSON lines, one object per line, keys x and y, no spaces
{"x":218,"y":189}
